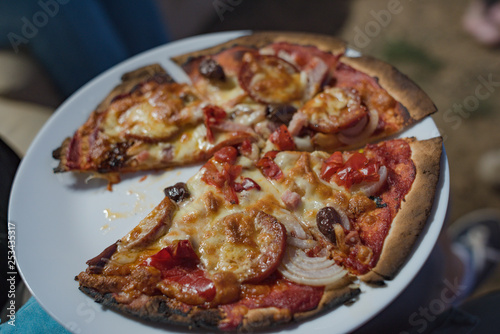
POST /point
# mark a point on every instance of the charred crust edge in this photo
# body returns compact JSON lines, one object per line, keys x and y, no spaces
{"x":160,"y":309}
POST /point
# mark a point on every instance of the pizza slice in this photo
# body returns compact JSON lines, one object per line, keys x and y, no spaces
{"x":367,"y":205}
{"x":244,"y":90}
{"x":366,"y":100}
{"x":149,"y":122}
{"x":244,"y":245}
{"x":327,"y":100}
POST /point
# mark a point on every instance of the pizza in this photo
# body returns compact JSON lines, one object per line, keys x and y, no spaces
{"x":303,"y":195}
{"x":244,"y":90}
{"x":246,"y":245}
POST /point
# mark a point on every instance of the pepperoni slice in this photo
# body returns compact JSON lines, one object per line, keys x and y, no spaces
{"x":248,"y":244}
{"x":270,"y":79}
{"x":334,"y":109}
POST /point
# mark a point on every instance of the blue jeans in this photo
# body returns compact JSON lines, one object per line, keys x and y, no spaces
{"x":76,"y":40}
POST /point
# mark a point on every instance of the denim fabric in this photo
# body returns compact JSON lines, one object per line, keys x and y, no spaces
{"x":32,"y":318}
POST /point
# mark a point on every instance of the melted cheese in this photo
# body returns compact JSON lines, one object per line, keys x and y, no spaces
{"x":223,"y":93}
{"x":156,"y":115}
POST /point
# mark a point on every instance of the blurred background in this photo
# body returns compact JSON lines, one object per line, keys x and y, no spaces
{"x":51,"y":47}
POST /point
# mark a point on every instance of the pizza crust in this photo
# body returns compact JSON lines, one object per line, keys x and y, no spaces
{"x":416,"y":102}
{"x":261,"y":39}
{"x":333,"y":296}
{"x":159,"y":309}
{"x":415,"y":210}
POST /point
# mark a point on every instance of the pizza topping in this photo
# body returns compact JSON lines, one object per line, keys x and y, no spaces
{"x":355,"y":129}
{"x":179,"y":267}
{"x":359,"y":204}
{"x":177,"y":192}
{"x":223,"y":178}
{"x":180,"y":253}
{"x":246,"y":184}
{"x":372,"y":94}
{"x":370,"y":188}
{"x":282,"y":139}
{"x":249,"y":150}
{"x":97,"y":263}
{"x":334,"y":110}
{"x":280,"y":113}
{"x":317,"y":72}
{"x":353,"y":135}
{"x":268,"y":167}
{"x":298,"y":122}
{"x":248,"y":244}
{"x":210,"y":69}
{"x":114,"y":158}
{"x":270,"y":80}
{"x":326,"y":219}
{"x":226,"y":154}
{"x":213,"y":116}
{"x":291,"y":199}
{"x":331,"y":166}
{"x":358,"y":170}
{"x":314,"y":271}
{"x":292,"y":225}
{"x":151,"y":227}
{"x":378,"y":202}
{"x":352,"y":238}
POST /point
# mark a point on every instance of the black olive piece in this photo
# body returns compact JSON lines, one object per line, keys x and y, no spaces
{"x":210,"y":69}
{"x":280,"y":113}
{"x":326,"y":219}
{"x":177,"y":193}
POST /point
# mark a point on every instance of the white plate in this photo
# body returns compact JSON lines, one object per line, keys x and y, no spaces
{"x":61,"y":221}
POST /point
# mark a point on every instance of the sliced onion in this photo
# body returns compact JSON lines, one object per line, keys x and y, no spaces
{"x":357,"y":128}
{"x":367,"y":131}
{"x":299,"y":268}
{"x":292,"y":225}
{"x":301,"y":243}
{"x":371,"y":188}
{"x":306,"y":262}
